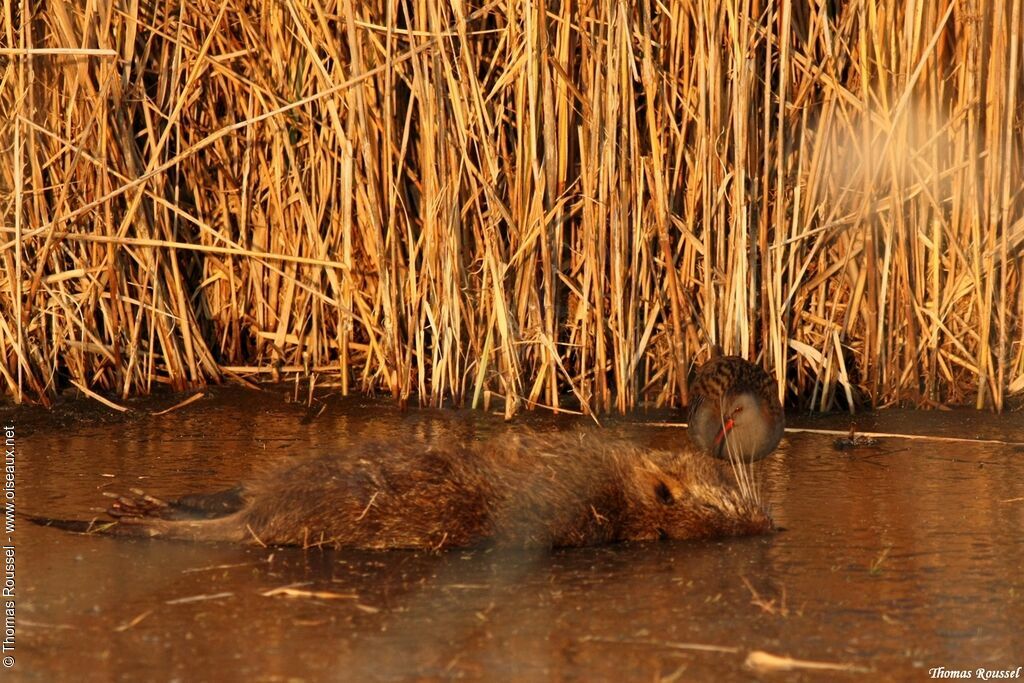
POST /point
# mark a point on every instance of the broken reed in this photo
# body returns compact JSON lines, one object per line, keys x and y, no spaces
{"x":525,"y":199}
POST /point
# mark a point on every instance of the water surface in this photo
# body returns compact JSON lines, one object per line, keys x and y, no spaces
{"x":893,"y":559}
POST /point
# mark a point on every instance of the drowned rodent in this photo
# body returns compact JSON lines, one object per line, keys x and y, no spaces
{"x":549,"y":490}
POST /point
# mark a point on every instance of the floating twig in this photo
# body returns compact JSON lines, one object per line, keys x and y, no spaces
{"x":887,"y":435}
{"x":105,"y":401}
{"x":187,"y":401}
{"x":289,"y":592}
{"x":764,"y":662}
{"x":199,"y":598}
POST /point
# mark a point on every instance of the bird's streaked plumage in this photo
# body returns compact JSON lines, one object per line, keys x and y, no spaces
{"x":734,"y":408}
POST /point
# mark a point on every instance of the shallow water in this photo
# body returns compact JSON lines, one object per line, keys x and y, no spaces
{"x":894,"y":559}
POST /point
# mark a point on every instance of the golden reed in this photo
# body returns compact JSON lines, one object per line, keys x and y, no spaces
{"x":457,"y":200}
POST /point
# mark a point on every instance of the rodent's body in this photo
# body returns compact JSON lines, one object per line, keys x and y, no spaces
{"x":552,"y":490}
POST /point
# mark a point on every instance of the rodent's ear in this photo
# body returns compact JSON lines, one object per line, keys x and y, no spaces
{"x":663,"y":493}
{"x":663,"y":488}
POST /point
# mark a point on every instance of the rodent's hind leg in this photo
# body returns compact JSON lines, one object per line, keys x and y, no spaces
{"x":211,"y":505}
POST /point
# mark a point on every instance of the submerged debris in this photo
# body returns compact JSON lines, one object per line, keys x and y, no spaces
{"x":854,"y":440}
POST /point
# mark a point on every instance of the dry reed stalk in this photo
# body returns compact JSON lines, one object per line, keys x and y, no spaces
{"x":454,"y":201}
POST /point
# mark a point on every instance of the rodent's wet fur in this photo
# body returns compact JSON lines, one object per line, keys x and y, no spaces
{"x":534,"y":490}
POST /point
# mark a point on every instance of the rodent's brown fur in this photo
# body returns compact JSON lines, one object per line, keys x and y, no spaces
{"x":552,"y":490}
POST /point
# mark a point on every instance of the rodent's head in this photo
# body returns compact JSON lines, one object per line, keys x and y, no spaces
{"x":743,"y":425}
{"x":688,"y":499}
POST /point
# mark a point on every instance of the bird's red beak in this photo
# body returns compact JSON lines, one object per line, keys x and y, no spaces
{"x":726,"y":427}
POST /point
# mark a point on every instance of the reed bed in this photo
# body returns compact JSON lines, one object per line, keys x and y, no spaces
{"x":558,"y":204}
